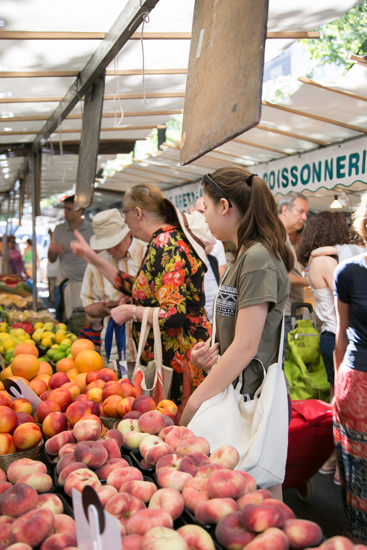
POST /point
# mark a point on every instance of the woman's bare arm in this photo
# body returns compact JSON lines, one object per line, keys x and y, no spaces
{"x":249,"y":327}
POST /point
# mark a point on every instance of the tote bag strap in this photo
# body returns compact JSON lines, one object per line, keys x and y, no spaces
{"x":144,"y":331}
{"x":158,"y":357}
{"x":280,"y":355}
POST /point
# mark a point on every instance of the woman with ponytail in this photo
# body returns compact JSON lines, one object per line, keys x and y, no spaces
{"x":239,"y":207}
{"x":170,"y":278}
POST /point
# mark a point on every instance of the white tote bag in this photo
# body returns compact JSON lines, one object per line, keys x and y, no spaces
{"x":257,"y":428}
{"x":156,"y":379}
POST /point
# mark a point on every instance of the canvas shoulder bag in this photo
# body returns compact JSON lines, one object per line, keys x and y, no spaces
{"x":154,"y":379}
{"x":257,"y":428}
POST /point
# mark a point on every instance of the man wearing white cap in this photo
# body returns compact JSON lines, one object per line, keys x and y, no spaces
{"x":113,"y":240}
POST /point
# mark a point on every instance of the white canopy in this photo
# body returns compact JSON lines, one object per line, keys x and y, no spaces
{"x":41,"y":60}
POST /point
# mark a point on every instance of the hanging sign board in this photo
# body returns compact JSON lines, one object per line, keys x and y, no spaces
{"x":184,"y":196}
{"x":325,"y":168}
{"x":225,"y":72}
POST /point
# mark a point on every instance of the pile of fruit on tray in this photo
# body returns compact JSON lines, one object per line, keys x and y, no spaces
{"x":52,"y":339}
{"x":163,"y":484}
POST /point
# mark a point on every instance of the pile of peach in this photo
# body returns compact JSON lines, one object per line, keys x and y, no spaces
{"x":31,"y":516}
{"x":18,"y":431}
{"x":84,"y":458}
{"x":63,"y":405}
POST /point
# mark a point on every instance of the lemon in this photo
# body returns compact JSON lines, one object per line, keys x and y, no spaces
{"x":59,"y":336}
{"x":55,"y":346}
{"x":9,"y":344}
{"x":37,"y":335}
{"x":3,"y":326}
{"x":38,"y":325}
{"x":62,"y":326}
{"x":46,"y":342}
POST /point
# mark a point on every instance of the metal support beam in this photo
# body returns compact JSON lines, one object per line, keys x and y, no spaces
{"x":34,"y":173}
{"x":123,"y":28}
{"x":89,"y":144}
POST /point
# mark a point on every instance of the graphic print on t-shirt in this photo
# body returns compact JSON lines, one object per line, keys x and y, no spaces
{"x":226,"y":300}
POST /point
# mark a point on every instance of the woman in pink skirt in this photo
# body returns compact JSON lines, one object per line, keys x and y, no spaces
{"x":350,"y":402}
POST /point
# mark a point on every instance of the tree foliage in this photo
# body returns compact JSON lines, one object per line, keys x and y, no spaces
{"x":344,"y":36}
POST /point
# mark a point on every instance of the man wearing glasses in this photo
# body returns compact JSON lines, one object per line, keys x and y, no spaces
{"x":293,"y":211}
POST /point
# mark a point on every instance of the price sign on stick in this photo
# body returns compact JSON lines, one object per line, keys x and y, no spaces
{"x":21,"y":389}
{"x":95,"y":528}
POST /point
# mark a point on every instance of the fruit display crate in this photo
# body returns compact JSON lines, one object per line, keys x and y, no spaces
{"x":35,"y":453}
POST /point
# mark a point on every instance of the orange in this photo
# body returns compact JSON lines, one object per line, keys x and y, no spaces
{"x":2,"y":386}
{"x":80,"y":345}
{"x":65,"y":364}
{"x":25,"y":365}
{"x":45,"y":368}
{"x":88,"y":360}
{"x":25,"y":347}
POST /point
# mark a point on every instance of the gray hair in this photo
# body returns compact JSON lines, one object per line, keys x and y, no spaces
{"x":289,"y":199}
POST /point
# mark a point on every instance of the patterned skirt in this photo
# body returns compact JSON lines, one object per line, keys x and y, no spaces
{"x":350,"y":434}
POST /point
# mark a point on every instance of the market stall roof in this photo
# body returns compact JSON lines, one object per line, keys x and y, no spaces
{"x":44,"y":50}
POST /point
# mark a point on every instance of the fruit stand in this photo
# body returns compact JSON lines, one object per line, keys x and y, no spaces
{"x":69,"y":426}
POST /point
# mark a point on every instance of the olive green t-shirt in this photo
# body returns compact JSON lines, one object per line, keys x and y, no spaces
{"x":255,"y":277}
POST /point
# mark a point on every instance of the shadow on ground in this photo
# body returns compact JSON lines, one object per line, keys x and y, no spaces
{"x":324,"y":506}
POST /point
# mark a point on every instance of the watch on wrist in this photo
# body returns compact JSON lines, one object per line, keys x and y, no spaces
{"x":134,"y":313}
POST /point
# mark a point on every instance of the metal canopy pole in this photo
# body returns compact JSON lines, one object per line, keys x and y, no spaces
{"x":35,"y":171}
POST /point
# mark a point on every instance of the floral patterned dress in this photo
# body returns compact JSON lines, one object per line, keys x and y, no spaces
{"x":171,"y":278}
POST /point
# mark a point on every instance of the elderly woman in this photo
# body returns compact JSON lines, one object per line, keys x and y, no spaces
{"x":170,"y":278}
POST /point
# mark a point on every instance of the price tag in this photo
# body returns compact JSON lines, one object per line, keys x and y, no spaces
{"x":21,"y":389}
{"x":96,"y":529}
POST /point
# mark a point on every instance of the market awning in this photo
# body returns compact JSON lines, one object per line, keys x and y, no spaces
{"x":44,"y":48}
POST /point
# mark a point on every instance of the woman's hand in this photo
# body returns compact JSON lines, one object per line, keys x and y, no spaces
{"x":124,"y":299}
{"x":121,"y":314}
{"x":203,"y":356}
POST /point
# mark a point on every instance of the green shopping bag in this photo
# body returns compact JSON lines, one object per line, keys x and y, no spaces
{"x":303,"y":365}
